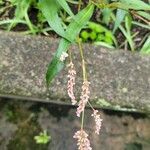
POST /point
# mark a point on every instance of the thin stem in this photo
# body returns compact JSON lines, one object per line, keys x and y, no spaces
{"x":91,"y":105}
{"x":29,"y":23}
{"x":70,"y":55}
{"x":82,"y":121}
{"x":79,"y":5}
{"x":83,"y":61}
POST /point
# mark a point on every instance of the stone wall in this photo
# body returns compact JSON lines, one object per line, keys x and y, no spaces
{"x":119,"y":79}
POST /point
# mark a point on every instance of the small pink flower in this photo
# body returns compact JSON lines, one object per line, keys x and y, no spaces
{"x":71,"y":83}
{"x":83,"y":98}
{"x":82,"y":140}
{"x":98,"y":121}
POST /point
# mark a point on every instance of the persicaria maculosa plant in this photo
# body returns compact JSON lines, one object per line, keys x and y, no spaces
{"x":69,"y":35}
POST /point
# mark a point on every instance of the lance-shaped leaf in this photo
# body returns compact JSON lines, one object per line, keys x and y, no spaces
{"x":130,"y":4}
{"x":136,"y":4}
{"x":72,"y":31}
{"x":50,"y":10}
{"x":56,"y":65}
{"x":119,"y":18}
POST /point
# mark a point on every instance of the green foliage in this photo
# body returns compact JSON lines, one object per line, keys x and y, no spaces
{"x":106,"y":12}
{"x":1,"y":2}
{"x":122,"y":4}
{"x":73,"y":29}
{"x":42,"y":138}
{"x":65,"y":6}
{"x":146,"y":46}
{"x":50,"y":9}
{"x":127,"y":32}
{"x":144,"y":14}
{"x":21,"y":12}
{"x":120,"y":15}
{"x":97,"y":33}
{"x":134,"y":4}
{"x":122,"y":19}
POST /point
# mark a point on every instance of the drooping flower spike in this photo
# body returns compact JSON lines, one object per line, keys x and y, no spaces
{"x":98,"y":121}
{"x":83,"y":142}
{"x":71,"y":83}
{"x":83,"y":98}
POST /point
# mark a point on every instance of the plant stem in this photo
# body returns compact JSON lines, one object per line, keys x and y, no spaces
{"x":70,"y":55}
{"x":83,"y":61}
{"x":82,"y":121}
{"x":79,"y":5}
{"x":91,"y":105}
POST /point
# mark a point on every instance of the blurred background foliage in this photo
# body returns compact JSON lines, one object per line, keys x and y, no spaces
{"x":126,"y":27}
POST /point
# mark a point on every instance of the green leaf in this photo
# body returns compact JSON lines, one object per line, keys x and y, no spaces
{"x":72,"y":31}
{"x":11,"y":21}
{"x":56,"y":65}
{"x":119,"y":18}
{"x":106,"y":15}
{"x":79,"y":21}
{"x":128,"y":37}
{"x":21,"y":12}
{"x":42,"y":138}
{"x":104,"y":44}
{"x":21,"y":8}
{"x":50,"y":10}
{"x":126,"y":34}
{"x":146,"y":47}
{"x":128,"y":23}
{"x":141,"y":25}
{"x":65,"y":6}
{"x":135,"y":4}
{"x":130,"y":4}
{"x":144,"y":14}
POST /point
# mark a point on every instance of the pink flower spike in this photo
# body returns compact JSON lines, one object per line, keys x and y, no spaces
{"x":71,"y":83}
{"x":83,"y":98}
{"x":98,"y":121}
{"x":83,"y":142}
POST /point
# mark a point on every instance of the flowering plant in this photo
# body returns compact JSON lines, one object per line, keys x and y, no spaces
{"x":70,"y":36}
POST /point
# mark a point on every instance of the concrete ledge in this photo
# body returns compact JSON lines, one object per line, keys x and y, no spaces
{"x":119,"y":79}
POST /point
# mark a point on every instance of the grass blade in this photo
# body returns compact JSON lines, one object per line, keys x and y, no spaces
{"x":136,"y":4}
{"x":130,"y":4}
{"x":144,"y":14}
{"x":119,"y":18}
{"x":50,"y":10}
{"x":146,"y":47}
{"x":65,"y":6}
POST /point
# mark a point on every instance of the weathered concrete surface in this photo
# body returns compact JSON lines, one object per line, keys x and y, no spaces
{"x":20,"y":122}
{"x":119,"y":79}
